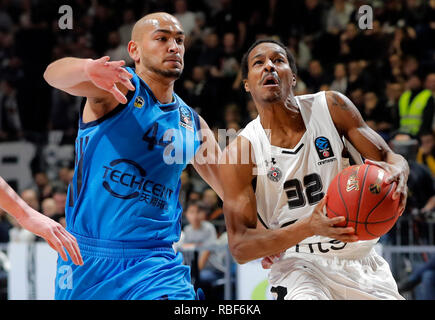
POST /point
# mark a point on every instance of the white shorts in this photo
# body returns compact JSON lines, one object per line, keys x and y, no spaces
{"x":300,"y":276}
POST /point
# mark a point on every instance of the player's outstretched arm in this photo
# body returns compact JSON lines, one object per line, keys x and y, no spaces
{"x":55,"y":235}
{"x":370,"y":145}
{"x":207,"y":157}
{"x":248,"y":242}
{"x":90,"y":78}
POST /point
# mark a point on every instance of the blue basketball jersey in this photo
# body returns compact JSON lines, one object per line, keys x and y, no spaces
{"x":127,"y":169}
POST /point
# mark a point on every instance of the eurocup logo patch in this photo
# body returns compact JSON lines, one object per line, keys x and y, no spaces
{"x":186,"y":118}
{"x":274,"y":174}
{"x":323,"y":147}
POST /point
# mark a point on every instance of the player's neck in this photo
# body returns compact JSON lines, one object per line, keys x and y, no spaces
{"x":281,"y":115}
{"x":162,"y":88}
{"x":285,"y":123}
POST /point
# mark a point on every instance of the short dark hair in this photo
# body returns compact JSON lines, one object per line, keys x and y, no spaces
{"x":290,"y":58}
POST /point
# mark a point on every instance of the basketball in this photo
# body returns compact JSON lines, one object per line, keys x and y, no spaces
{"x":361,"y":195}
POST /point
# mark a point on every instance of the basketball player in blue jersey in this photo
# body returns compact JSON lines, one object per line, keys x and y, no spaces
{"x":135,"y":138}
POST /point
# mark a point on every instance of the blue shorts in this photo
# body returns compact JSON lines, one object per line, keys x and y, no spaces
{"x":115,"y":270}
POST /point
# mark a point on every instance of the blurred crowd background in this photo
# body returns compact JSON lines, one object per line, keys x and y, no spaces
{"x":388,"y":72}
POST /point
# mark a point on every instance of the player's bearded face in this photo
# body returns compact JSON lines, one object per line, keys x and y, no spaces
{"x":163,"y":51}
{"x":270,"y":76}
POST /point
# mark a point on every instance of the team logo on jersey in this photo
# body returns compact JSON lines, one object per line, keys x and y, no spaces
{"x":323,"y":147}
{"x":274,"y":174}
{"x":139,"y":102}
{"x":125,"y":179}
{"x":186,"y":118}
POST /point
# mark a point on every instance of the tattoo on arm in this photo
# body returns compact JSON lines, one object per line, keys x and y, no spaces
{"x":338,"y":101}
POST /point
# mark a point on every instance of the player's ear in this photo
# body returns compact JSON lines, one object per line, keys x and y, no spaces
{"x":294,"y":80}
{"x":133,"y":51}
{"x":245,"y":84}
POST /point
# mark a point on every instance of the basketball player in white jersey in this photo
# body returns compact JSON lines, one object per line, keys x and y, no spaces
{"x":296,"y":148}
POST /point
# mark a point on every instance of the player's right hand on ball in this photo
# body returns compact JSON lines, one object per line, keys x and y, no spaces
{"x":321,"y":225}
{"x":105,"y":75}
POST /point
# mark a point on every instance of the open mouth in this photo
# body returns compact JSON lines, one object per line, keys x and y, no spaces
{"x":270,"y":81}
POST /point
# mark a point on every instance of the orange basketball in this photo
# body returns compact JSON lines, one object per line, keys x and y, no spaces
{"x":360,"y":194}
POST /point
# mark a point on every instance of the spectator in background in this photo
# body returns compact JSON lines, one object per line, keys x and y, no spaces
{"x":10,"y":122}
{"x":31,"y":198}
{"x":393,"y":72}
{"x":230,"y":19}
{"x":424,"y":276}
{"x":301,"y":87}
{"x":125,"y":29}
{"x":416,"y":106}
{"x":64,"y":177}
{"x":338,"y":16}
{"x":200,"y":233}
{"x":5,"y":226}
{"x":49,"y":208}
{"x":231,"y":114}
{"x":210,"y":53}
{"x":340,"y":79}
{"x":229,"y":64}
{"x":59,"y":197}
{"x":102,"y":23}
{"x":376,"y":42}
{"x":410,"y":66}
{"x":187,"y":18}
{"x":200,"y":30}
{"x":421,"y":191}
{"x":64,"y":114}
{"x":355,"y":78}
{"x":117,"y":50}
{"x":185,"y":189}
{"x":312,"y":18}
{"x":393,"y":92}
{"x":374,"y":113}
{"x":357,"y":97}
{"x":43,"y":185}
{"x":251,"y":114}
{"x":315,"y":76}
{"x":215,"y":212}
{"x":300,"y":51}
{"x":426,"y":152}
{"x":351,"y":43}
{"x":421,"y":187}
{"x":201,"y":93}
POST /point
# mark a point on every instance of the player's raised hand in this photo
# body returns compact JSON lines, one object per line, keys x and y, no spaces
{"x":397,"y":174}
{"x":105,"y":74}
{"x":55,"y":235}
{"x":321,"y":225}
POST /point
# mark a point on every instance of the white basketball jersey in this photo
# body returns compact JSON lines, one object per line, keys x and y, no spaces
{"x":290,"y":182}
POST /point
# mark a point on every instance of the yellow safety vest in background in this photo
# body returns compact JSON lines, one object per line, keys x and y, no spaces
{"x":411,"y":112}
